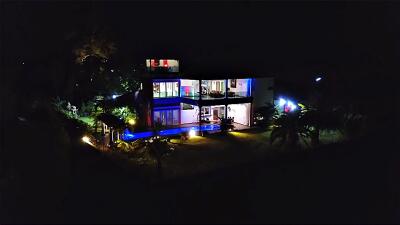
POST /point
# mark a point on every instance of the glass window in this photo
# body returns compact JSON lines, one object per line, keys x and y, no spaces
{"x":157,"y":118}
{"x":176,"y":117}
{"x":170,"y":117}
{"x":189,"y":88}
{"x":239,"y":88}
{"x":167,"y":117}
{"x":163,"y":118}
{"x":165,"y":89}
{"x":169,"y":89}
{"x":176,"y":88}
{"x":156,"y":90}
{"x":213,"y":89}
{"x":162,"y":90}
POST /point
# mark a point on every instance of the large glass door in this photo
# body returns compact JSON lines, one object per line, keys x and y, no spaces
{"x":167,"y":117}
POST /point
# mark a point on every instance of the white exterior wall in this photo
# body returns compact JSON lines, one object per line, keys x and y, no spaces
{"x":190,"y":116}
{"x":240,"y":113}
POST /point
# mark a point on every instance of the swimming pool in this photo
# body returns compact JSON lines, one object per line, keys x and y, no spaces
{"x":129,"y":136}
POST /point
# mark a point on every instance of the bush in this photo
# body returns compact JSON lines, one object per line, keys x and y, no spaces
{"x":124,"y":112}
{"x":354,"y":125}
{"x":226,"y":125}
{"x":263,"y":115}
{"x":87,"y":108}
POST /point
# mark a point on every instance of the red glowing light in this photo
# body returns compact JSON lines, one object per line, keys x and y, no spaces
{"x":165,"y":62}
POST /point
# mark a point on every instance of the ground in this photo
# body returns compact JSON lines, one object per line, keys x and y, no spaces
{"x":338,"y":184}
{"x":88,"y":120}
{"x":341,"y":183}
{"x":202,"y":154}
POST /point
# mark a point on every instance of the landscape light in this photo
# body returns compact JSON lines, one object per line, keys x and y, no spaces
{"x":114,"y":96}
{"x":192,"y":133}
{"x":86,"y":140}
{"x":131,"y":122}
{"x":291,"y":105}
{"x":318,"y":79}
{"x":282,"y":102}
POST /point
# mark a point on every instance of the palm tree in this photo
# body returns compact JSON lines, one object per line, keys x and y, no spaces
{"x":316,"y":120}
{"x":305,"y":123}
{"x":158,"y":148}
{"x":312,"y":120}
{"x":288,"y":128}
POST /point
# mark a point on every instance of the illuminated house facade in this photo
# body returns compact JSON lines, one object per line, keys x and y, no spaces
{"x":175,"y":99}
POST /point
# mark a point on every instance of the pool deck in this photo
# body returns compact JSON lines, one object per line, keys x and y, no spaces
{"x":210,"y":127}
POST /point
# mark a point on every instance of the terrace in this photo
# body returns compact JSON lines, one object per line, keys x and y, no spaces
{"x":196,"y":127}
{"x":215,"y":89}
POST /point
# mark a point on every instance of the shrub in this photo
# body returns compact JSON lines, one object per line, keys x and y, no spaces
{"x":263,"y":115}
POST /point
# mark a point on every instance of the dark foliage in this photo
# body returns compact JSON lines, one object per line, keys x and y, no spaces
{"x":263,"y":115}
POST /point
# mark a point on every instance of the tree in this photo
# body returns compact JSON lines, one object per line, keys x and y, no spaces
{"x":264,"y":114}
{"x":96,"y":46}
{"x":92,"y":57}
{"x":305,"y":123}
{"x":288,"y":128}
{"x":158,"y":148}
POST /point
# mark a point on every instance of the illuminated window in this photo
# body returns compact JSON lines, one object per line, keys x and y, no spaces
{"x":165,"y":89}
{"x":167,"y":117}
{"x":176,"y":89}
{"x":190,"y":88}
{"x":162,"y":90}
{"x":213,"y":89}
{"x":157,"y":117}
{"x":175,"y":117}
{"x":239,"y":88}
{"x":169,"y":89}
{"x":156,"y":90}
{"x":162,"y":65}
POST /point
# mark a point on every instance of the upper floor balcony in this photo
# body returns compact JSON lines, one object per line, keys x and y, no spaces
{"x":172,"y":91}
{"x":215,"y":89}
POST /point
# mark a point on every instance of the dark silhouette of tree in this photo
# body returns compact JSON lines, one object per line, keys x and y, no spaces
{"x":92,"y":57}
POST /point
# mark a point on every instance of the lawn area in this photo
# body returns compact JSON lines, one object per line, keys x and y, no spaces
{"x":328,"y":137}
{"x":88,"y":120}
{"x":202,"y":154}
{"x":211,"y":152}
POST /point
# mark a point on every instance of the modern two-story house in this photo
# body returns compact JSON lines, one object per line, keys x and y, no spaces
{"x":181,"y":100}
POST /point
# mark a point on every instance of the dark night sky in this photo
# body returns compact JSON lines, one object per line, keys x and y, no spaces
{"x":252,"y":37}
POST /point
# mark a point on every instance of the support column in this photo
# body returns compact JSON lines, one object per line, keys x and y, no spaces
{"x":199,"y":105}
{"x":226,"y":111}
{"x":226,"y":88}
{"x":226,"y":98}
{"x":200,"y":90}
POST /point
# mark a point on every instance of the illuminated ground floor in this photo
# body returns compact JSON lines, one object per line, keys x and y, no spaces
{"x":188,"y":114}
{"x":181,"y":118}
